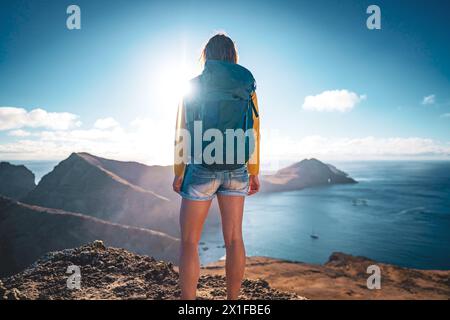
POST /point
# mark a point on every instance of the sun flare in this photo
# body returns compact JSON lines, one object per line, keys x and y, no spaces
{"x":174,"y":81}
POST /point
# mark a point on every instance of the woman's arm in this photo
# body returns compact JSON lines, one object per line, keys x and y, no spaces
{"x":253,"y":163}
{"x":178,"y":166}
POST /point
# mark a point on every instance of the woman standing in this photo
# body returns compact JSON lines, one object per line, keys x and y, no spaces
{"x":223,"y":99}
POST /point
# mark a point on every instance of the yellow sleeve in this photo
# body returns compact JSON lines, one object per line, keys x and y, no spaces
{"x":178,"y":168}
{"x":253,"y":163}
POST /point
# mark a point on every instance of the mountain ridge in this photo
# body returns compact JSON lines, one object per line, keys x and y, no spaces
{"x":28,"y":231}
{"x":81,"y":184}
{"x":16,"y":181}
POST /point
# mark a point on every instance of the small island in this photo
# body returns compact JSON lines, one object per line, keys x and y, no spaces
{"x":304,"y":174}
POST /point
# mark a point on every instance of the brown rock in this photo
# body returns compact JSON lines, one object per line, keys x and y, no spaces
{"x":138,"y":277}
{"x":343,"y":277}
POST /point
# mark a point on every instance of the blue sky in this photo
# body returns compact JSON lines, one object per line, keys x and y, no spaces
{"x":112,"y":87}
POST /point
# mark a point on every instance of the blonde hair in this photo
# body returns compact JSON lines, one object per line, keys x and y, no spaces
{"x":219,"y":47}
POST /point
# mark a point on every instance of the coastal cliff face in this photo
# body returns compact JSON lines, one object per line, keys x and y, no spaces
{"x":110,"y":190}
{"x":344,"y":277}
{"x":304,"y":174}
{"x":110,"y":273}
{"x":15,"y":181}
{"x":27,"y":232}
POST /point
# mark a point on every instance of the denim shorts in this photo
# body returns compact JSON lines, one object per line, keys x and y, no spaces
{"x":200,"y":183}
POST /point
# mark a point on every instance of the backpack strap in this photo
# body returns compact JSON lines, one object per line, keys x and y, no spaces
{"x":250,"y":107}
{"x":253,"y":107}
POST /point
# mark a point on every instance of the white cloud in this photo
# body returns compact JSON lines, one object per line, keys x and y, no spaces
{"x":145,"y":140}
{"x":16,"y":118}
{"x":151,"y":141}
{"x":445,"y":115}
{"x":19,"y":133}
{"x":113,"y":134}
{"x":429,"y":99}
{"x":333,"y":100}
{"x":106,"y":123}
{"x":277,"y":149}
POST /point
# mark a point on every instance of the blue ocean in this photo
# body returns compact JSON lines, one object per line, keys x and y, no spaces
{"x":398,"y":213}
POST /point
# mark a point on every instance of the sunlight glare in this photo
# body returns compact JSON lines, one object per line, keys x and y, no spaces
{"x":174,"y":82}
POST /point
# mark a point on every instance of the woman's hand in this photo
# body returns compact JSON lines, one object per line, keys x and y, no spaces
{"x":176,"y":185}
{"x":253,"y":185}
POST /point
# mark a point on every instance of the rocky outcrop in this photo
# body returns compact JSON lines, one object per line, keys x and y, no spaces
{"x":27,"y":232}
{"x":304,"y":174}
{"x":15,"y":181}
{"x":115,"y":191}
{"x":344,"y":277}
{"x":110,"y":273}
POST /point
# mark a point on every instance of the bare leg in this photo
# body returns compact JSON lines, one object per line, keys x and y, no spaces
{"x":192,"y":217}
{"x":231,"y":210}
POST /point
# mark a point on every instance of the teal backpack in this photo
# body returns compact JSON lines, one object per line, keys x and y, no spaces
{"x":220,"y":101}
